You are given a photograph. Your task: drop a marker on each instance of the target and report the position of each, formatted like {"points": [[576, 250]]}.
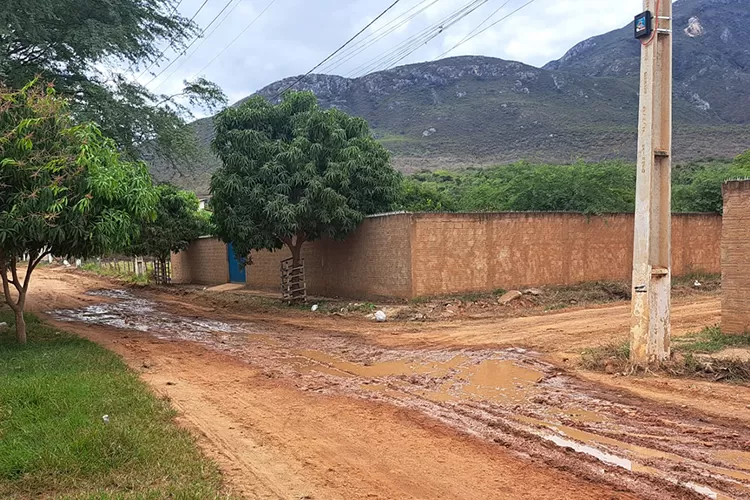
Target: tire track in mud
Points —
{"points": [[510, 397]]}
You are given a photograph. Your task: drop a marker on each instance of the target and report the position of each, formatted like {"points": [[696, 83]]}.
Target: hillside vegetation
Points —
{"points": [[581, 187]]}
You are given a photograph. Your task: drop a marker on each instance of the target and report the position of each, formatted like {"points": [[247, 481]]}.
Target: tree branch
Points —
{"points": [[31, 267], [14, 272], [6, 288]]}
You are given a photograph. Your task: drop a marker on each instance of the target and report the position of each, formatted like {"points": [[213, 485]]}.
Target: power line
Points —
{"points": [[406, 48], [364, 44], [197, 48], [235, 38], [171, 41], [336, 51], [415, 41], [174, 9], [488, 27], [468, 35], [190, 44]]}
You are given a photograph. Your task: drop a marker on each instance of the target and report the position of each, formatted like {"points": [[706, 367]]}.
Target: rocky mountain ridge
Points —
{"points": [[475, 110]]}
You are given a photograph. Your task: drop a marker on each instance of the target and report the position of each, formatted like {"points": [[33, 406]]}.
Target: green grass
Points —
{"points": [[686, 359], [54, 442], [113, 272], [597, 358], [710, 340]]}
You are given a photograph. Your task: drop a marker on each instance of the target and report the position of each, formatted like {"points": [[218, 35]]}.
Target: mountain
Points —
{"points": [[468, 111], [711, 56]]}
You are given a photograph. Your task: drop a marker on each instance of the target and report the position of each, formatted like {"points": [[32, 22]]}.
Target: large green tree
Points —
{"points": [[93, 50], [178, 221], [64, 190], [294, 172]]}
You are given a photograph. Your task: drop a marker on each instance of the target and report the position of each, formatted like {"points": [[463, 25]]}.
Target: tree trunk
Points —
{"points": [[20, 327], [297, 278], [296, 253]]}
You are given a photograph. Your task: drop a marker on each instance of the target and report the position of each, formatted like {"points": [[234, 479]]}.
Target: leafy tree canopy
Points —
{"points": [[63, 189], [82, 47], [178, 222], [294, 172], [419, 196]]}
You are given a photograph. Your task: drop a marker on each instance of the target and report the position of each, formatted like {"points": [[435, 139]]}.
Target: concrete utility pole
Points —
{"points": [[652, 259]]}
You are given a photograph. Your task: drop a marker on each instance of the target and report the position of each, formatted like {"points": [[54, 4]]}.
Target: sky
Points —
{"points": [[290, 37]]}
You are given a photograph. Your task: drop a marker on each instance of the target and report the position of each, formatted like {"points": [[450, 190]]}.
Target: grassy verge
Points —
{"points": [[54, 392], [690, 357], [113, 272], [710, 340]]}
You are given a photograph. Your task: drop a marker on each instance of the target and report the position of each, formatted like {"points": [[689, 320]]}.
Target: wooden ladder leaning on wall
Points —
{"points": [[293, 284]]}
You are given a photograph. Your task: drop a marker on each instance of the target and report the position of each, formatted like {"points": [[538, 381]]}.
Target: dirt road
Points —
{"points": [[305, 407]]}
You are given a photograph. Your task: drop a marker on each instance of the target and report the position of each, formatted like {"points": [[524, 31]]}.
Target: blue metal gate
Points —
{"points": [[236, 267]]}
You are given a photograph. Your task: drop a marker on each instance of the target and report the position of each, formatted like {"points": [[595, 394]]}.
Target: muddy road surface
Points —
{"points": [[307, 407]]}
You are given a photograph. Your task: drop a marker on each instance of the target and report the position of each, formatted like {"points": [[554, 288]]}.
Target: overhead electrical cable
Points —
{"points": [[293, 84], [174, 9], [197, 48], [161, 54], [489, 27], [470, 33], [183, 52], [388, 58], [377, 35], [235, 38]]}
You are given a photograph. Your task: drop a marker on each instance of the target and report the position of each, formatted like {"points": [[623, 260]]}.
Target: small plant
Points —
{"points": [[113, 272], [690, 357], [366, 307], [710, 340], [609, 357]]}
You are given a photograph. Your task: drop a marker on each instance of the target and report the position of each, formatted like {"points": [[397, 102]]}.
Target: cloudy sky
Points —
{"points": [[292, 36]]}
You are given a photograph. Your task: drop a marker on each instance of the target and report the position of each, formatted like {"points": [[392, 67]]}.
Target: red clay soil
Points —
{"points": [[295, 406]]}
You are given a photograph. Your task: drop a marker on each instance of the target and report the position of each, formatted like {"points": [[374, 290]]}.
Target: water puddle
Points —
{"points": [[740, 459], [456, 379], [472, 387], [133, 313]]}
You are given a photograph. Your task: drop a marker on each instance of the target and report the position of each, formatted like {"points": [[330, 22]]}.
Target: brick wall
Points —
{"points": [[375, 261], [735, 258], [205, 262], [455, 253], [411, 255]]}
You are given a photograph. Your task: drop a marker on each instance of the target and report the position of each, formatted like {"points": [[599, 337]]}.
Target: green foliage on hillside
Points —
{"points": [[589, 188]]}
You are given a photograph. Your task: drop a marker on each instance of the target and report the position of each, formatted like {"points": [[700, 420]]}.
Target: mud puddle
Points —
{"points": [[509, 396]]}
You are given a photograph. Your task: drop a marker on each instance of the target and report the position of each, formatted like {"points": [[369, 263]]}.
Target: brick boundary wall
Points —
{"points": [[735, 258], [454, 253], [414, 255], [205, 262]]}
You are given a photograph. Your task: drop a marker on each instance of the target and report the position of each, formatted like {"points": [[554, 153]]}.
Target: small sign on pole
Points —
{"points": [[643, 24]]}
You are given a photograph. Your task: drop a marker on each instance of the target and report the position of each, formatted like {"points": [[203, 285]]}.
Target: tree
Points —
{"points": [[178, 221], [700, 189], [294, 172], [425, 197], [83, 46], [64, 189]]}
